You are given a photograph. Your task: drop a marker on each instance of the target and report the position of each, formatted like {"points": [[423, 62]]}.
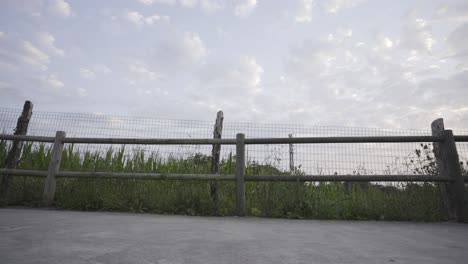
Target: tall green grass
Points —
{"points": [[412, 202]]}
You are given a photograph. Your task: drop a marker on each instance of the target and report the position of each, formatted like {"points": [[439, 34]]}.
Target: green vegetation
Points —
{"points": [[406, 201]]}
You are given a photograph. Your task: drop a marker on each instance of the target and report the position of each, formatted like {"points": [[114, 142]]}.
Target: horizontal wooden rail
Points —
{"points": [[121, 175], [298, 140], [30, 173], [27, 138], [460, 138], [139, 175], [311, 140], [352, 178], [151, 141], [231, 177], [136, 141]]}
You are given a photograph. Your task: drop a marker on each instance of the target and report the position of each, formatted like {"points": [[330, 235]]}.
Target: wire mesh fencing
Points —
{"points": [[184, 158], [419, 202], [299, 159], [333, 159], [462, 149]]}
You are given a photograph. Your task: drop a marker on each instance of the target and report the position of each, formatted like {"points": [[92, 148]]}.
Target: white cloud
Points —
{"points": [[52, 81], [142, 70], [304, 11], [181, 50], [376, 74], [82, 92], [166, 2], [147, 2], [211, 6], [250, 71], [87, 74], [130, 81], [60, 8], [388, 42], [91, 73], [231, 85], [15, 53], [382, 74], [457, 13], [134, 17], [207, 6], [449, 92], [155, 18], [188, 3], [177, 54], [47, 40], [416, 34], [101, 68], [334, 6], [245, 7], [458, 41], [193, 46], [34, 56], [139, 19], [150, 2], [239, 78]]}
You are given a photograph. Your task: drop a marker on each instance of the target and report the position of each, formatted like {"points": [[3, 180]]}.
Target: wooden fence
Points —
{"points": [[443, 140]]}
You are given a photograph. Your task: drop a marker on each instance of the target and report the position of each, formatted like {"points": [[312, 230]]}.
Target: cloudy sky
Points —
{"points": [[389, 64]]}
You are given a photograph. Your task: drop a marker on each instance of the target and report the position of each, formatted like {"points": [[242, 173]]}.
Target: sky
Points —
{"points": [[366, 63]]}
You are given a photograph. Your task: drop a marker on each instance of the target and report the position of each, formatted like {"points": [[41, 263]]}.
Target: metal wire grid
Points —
{"points": [[462, 149], [329, 159], [96, 125], [326, 159]]}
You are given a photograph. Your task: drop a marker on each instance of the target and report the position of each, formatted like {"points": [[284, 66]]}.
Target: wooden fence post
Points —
{"points": [[14, 154], [437, 127], [215, 156], [454, 172], [448, 165], [240, 173], [54, 166]]}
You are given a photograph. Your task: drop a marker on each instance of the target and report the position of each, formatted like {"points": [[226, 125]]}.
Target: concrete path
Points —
{"points": [[47, 236]]}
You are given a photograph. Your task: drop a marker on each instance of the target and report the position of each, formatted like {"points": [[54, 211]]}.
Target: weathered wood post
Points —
{"points": [[454, 172], [240, 174], [437, 128], [448, 165], [215, 156], [54, 166], [14, 154]]}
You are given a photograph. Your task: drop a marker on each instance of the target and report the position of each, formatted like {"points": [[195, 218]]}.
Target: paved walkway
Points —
{"points": [[47, 236]]}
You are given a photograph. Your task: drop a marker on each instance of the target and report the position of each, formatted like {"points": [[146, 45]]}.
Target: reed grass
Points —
{"points": [[359, 201]]}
